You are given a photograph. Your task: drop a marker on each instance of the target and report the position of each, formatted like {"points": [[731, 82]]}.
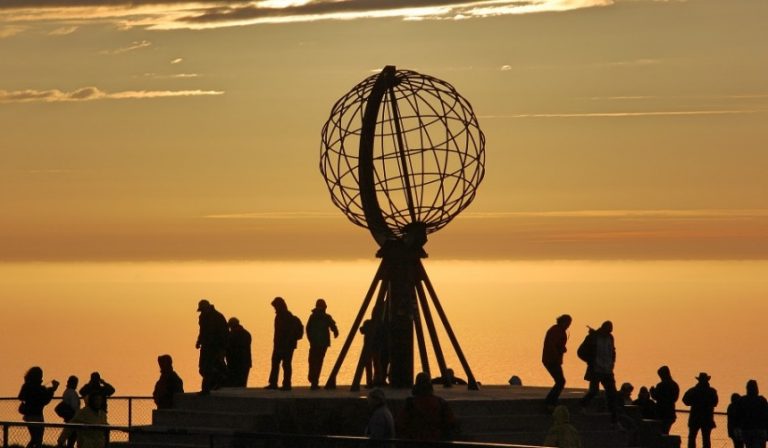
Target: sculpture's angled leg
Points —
{"points": [[471, 382], [331, 383]]}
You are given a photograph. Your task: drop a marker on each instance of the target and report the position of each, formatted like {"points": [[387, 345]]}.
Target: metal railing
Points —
{"points": [[719, 434], [128, 412], [244, 439], [124, 411]]}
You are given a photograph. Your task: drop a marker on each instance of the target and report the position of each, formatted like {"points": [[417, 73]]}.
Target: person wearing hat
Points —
{"points": [[238, 354], [288, 330], [319, 328], [702, 398], [212, 343]]}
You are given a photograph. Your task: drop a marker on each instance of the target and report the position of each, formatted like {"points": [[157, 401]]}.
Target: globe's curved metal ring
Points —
{"points": [[402, 148]]}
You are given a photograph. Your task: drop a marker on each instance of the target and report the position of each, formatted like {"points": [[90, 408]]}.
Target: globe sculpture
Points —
{"points": [[402, 155]]}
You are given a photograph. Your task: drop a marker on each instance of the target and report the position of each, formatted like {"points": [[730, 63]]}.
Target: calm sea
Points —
{"points": [[74, 318]]}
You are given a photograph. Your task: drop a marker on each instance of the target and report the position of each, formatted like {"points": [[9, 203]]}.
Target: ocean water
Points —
{"points": [[75, 318]]}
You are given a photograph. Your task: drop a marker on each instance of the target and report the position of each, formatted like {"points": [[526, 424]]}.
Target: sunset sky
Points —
{"points": [[171, 130]]}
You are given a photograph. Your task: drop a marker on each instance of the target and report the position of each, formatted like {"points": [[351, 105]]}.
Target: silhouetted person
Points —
{"points": [[666, 394], [753, 416], [97, 385], [72, 400], [284, 343], [602, 358], [734, 421], [562, 434], [625, 394], [424, 415], [381, 425], [34, 397], [374, 346], [645, 404], [92, 414], [238, 354], [212, 342], [702, 399], [319, 328], [449, 379], [168, 384], [552, 357]]}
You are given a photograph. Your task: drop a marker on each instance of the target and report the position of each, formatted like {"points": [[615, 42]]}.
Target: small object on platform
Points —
{"points": [[515, 381]]}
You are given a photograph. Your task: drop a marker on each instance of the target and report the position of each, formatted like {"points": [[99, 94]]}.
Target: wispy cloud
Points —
{"points": [[674, 214], [274, 215], [664, 113], [11, 30], [631, 63], [49, 171], [63, 31], [177, 61], [136, 45], [93, 93], [173, 14], [172, 75], [739, 96]]}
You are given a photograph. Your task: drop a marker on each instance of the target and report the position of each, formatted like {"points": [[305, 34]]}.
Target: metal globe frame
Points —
{"points": [[402, 155]]}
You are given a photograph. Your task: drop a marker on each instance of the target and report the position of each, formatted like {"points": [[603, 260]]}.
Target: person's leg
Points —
{"points": [[706, 440], [320, 359], [693, 431], [666, 425], [314, 365], [35, 433], [594, 385], [556, 371], [275, 370], [609, 385], [287, 368]]}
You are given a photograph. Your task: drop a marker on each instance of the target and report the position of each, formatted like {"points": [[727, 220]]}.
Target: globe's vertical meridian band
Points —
{"points": [[373, 214]]}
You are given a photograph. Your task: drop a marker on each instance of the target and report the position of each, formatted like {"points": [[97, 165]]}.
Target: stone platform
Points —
{"points": [[501, 414]]}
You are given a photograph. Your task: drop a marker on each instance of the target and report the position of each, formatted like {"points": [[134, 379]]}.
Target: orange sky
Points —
{"points": [[168, 130]]}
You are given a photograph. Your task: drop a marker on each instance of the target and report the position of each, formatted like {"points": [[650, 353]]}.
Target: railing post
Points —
{"points": [[130, 412]]}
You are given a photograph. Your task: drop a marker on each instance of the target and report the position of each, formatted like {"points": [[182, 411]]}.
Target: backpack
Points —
{"points": [[297, 328], [64, 410], [586, 351]]}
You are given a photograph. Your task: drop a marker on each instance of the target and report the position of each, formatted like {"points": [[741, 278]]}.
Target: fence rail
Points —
{"points": [[124, 411], [128, 412], [246, 439]]}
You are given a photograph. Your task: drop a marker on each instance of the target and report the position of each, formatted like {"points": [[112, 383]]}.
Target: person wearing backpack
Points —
{"points": [[319, 327], [599, 352], [288, 330]]}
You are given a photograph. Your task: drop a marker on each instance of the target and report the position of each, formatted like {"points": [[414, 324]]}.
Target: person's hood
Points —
{"points": [[561, 415]]}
